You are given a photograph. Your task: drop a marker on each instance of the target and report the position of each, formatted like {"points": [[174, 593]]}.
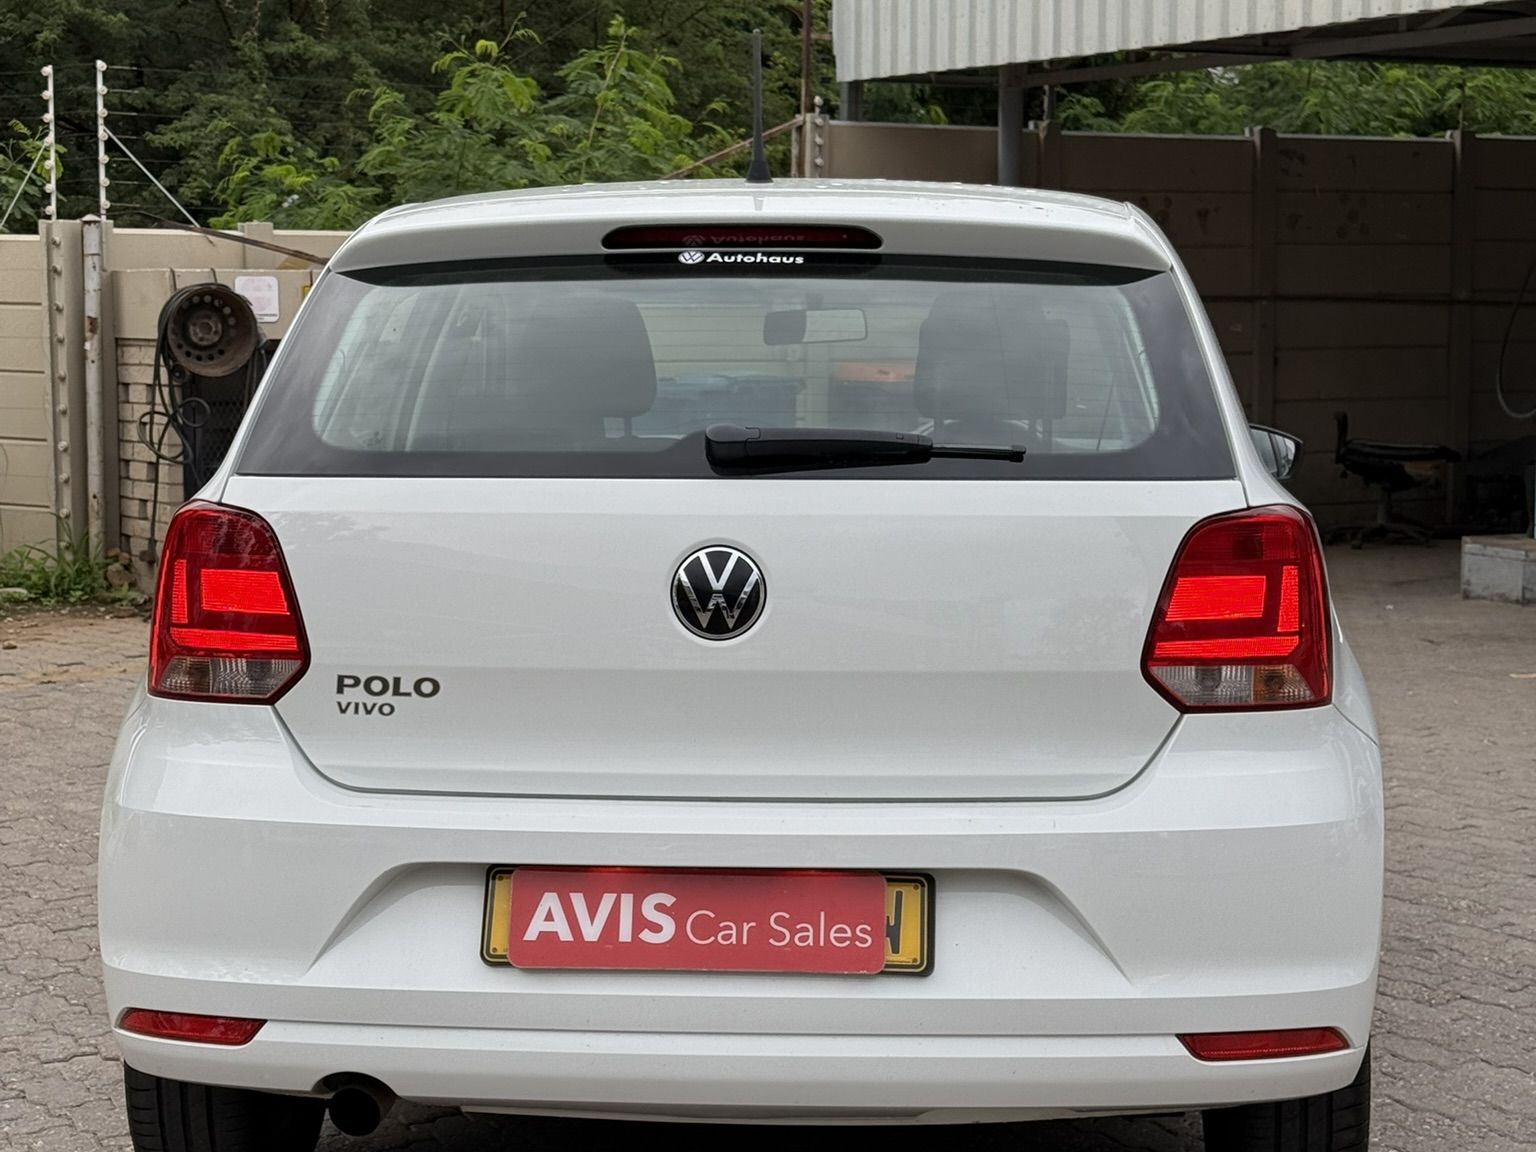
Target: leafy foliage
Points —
{"points": [[482, 133], [22, 174], [273, 179], [1324, 97], [229, 102], [490, 126], [319, 112], [618, 114]]}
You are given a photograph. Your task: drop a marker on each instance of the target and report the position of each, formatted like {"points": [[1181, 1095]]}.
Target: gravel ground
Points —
{"points": [[1455, 689]]}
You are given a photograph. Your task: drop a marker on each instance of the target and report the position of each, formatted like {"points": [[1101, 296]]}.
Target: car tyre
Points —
{"points": [[173, 1116], [1337, 1121]]}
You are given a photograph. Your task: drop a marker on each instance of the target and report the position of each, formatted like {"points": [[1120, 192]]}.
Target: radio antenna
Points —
{"points": [[757, 171]]}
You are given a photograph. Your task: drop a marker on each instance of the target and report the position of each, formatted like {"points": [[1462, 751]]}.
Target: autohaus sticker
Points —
{"points": [[694, 256]]}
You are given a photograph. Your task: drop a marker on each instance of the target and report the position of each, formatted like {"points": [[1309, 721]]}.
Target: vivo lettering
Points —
{"points": [[364, 708]]}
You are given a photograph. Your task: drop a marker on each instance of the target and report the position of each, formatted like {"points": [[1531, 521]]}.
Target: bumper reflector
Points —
{"points": [[1273, 1045], [226, 1030]]}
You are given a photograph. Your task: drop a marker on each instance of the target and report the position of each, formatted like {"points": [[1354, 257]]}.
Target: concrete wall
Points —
{"points": [[42, 392], [1373, 276], [26, 431], [42, 367]]}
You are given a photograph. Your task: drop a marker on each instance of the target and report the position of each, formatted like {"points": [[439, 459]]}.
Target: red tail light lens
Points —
{"points": [[229, 1031], [226, 624], [1274, 1045], [1243, 618]]}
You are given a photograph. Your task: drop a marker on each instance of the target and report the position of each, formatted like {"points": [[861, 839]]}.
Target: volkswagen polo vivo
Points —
{"points": [[796, 653]]}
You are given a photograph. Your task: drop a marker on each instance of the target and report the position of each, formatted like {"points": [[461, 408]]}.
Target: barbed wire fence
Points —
{"points": [[50, 147], [102, 183], [47, 156], [46, 166]]}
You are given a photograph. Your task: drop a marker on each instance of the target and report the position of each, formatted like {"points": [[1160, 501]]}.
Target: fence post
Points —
{"points": [[95, 426], [1459, 343], [102, 203], [1264, 272], [63, 343], [50, 148], [816, 134]]}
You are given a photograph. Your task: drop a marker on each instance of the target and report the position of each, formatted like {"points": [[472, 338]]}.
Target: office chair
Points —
{"points": [[1389, 468]]}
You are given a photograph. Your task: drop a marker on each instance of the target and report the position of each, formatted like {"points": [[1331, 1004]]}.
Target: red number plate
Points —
{"points": [[697, 921]]}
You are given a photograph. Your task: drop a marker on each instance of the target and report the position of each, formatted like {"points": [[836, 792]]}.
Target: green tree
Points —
{"points": [[238, 105], [490, 127], [617, 117], [1323, 97], [486, 130], [269, 178], [22, 177], [188, 77]]}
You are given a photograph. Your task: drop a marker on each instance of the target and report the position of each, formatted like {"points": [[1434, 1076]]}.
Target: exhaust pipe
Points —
{"points": [[359, 1107]]}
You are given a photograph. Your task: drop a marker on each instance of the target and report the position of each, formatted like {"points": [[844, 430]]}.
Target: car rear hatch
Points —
{"points": [[518, 636], [485, 478]]}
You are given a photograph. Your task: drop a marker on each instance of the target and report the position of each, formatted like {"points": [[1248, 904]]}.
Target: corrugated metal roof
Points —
{"points": [[875, 38]]}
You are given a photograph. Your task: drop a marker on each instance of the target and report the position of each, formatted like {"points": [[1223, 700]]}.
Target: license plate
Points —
{"points": [[846, 923]]}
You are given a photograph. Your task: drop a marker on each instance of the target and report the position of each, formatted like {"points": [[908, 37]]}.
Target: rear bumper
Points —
{"points": [[763, 1078], [1225, 889]]}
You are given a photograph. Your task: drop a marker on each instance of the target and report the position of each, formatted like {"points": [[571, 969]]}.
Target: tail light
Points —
{"points": [[226, 624], [741, 236], [1274, 1045], [228, 1031], [1243, 618]]}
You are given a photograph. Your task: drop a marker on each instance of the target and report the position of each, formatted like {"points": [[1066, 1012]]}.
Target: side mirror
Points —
{"points": [[1279, 451]]}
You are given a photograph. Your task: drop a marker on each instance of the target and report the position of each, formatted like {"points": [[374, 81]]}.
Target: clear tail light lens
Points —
{"points": [[1243, 618], [226, 624]]}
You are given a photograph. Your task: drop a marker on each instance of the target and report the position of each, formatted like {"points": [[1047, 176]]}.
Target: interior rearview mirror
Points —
{"points": [[1280, 451], [814, 326]]}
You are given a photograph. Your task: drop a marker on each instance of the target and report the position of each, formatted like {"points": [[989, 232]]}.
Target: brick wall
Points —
{"points": [[137, 466]]}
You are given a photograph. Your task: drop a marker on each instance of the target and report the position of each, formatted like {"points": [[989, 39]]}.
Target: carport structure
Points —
{"points": [[1047, 43], [1371, 276]]}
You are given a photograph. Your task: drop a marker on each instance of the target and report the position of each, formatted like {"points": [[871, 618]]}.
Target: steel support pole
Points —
{"points": [[850, 100], [1010, 127]]}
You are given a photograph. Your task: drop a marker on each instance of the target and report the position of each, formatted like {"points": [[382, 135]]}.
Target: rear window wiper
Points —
{"points": [[728, 446]]}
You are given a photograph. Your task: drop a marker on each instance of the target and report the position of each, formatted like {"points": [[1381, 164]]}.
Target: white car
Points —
{"points": [[808, 652]]}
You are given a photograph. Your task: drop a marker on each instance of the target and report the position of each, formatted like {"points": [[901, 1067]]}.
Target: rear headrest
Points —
{"points": [[977, 357], [584, 357]]}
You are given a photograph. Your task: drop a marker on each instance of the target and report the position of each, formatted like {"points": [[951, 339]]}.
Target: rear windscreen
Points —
{"points": [[614, 366]]}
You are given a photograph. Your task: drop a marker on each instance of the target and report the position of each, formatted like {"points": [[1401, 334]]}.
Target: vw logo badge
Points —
{"points": [[718, 592], [692, 256]]}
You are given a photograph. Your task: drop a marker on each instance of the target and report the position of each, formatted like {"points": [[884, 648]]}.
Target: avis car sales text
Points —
{"points": [[615, 913]]}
